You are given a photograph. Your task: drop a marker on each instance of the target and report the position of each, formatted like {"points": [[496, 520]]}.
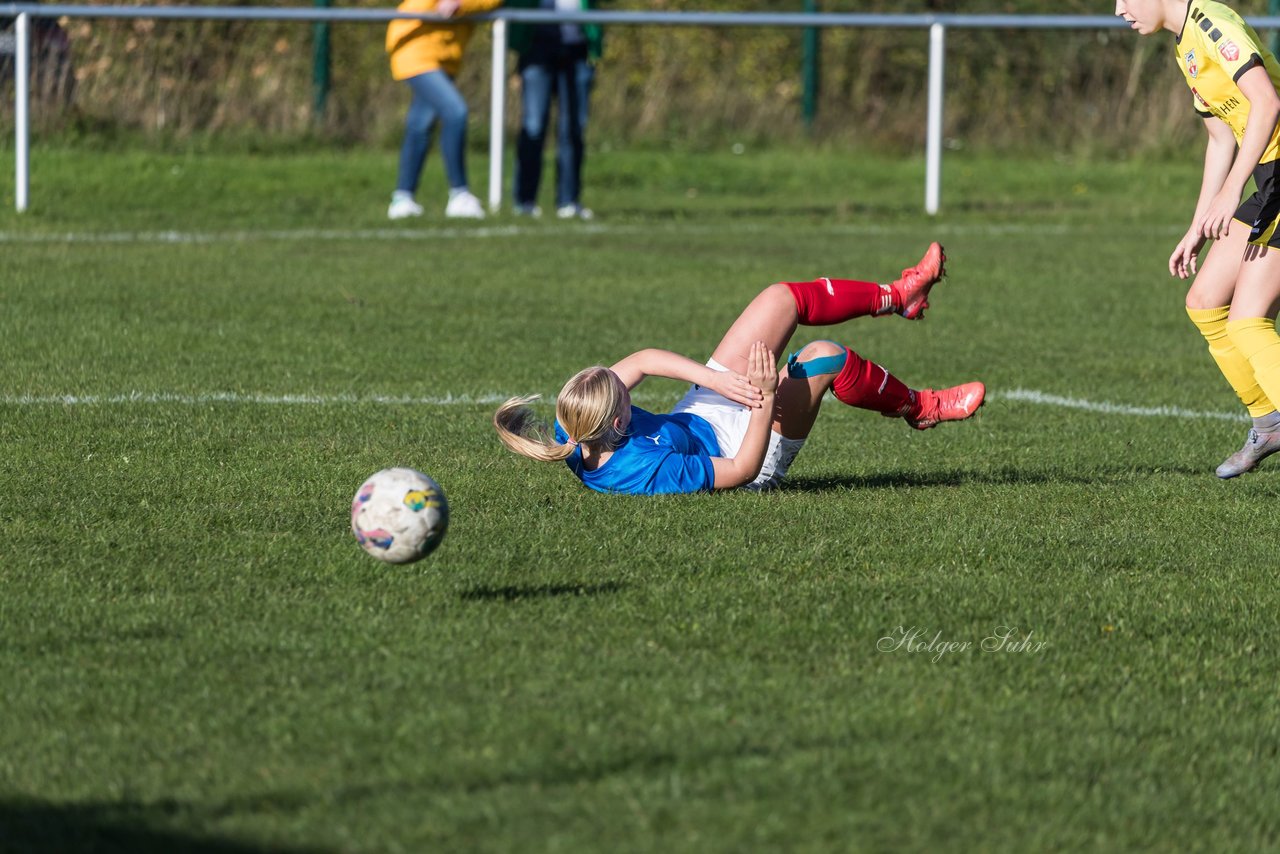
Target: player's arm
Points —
{"points": [[1219, 155], [663, 363], [744, 467], [1264, 110]]}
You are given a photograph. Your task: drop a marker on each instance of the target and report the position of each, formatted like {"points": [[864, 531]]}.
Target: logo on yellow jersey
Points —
{"points": [[1229, 51], [1192, 68]]}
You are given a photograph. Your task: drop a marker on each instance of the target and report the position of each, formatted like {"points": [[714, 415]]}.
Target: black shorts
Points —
{"points": [[1261, 211]]}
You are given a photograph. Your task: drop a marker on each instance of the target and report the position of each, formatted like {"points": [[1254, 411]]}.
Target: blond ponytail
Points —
{"points": [[523, 432], [587, 407]]}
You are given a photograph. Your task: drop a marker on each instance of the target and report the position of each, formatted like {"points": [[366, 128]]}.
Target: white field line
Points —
{"points": [[492, 232], [1040, 398], [301, 234], [1017, 395], [249, 398]]}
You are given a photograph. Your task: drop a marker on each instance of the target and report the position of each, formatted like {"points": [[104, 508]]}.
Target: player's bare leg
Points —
{"points": [[1215, 283], [1257, 287], [771, 317], [800, 397]]}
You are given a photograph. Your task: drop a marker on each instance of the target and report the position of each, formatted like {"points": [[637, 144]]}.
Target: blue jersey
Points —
{"points": [[663, 454]]}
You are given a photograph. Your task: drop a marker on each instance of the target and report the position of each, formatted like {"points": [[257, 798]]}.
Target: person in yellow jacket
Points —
{"points": [[427, 56]]}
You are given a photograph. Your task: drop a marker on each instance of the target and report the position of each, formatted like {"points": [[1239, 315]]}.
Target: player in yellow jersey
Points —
{"points": [[1234, 297]]}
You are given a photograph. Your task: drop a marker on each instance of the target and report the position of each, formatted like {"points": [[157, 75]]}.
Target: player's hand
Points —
{"points": [[762, 368], [1182, 263], [447, 8], [1215, 222], [737, 388]]}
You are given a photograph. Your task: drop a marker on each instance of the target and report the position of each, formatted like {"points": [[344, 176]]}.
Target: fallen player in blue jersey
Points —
{"points": [[740, 424]]}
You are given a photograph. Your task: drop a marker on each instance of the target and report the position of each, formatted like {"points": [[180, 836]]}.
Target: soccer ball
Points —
{"points": [[399, 515]]}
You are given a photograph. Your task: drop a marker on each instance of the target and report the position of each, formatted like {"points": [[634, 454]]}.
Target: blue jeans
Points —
{"points": [[570, 79], [434, 97]]}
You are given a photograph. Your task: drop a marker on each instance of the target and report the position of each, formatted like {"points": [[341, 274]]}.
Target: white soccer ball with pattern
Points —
{"points": [[399, 515]]}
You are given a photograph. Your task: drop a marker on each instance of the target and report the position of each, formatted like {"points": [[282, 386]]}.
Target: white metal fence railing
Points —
{"points": [[937, 26]]}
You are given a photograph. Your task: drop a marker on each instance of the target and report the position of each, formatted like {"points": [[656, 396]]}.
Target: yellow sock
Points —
{"points": [[1235, 366], [1256, 339]]}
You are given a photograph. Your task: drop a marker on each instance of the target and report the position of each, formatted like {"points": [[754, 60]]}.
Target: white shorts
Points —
{"points": [[729, 421]]}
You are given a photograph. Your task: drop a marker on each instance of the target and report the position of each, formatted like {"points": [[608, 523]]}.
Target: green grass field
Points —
{"points": [[205, 355]]}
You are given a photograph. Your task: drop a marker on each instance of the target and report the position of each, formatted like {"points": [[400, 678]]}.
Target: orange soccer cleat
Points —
{"points": [[912, 288], [949, 404]]}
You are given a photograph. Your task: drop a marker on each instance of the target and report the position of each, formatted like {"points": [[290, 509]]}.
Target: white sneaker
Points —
{"points": [[464, 205], [574, 212], [527, 210], [403, 206]]}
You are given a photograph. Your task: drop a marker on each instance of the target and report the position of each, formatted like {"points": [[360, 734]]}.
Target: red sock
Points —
{"points": [[823, 302], [866, 385]]}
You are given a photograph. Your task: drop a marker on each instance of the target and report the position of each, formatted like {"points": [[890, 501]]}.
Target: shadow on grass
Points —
{"points": [[962, 477], [29, 825], [552, 772], [652, 763], [131, 828], [946, 477], [518, 592]]}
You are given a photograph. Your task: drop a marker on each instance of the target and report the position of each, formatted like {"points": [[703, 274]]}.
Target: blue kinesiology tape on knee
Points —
{"points": [[816, 367]]}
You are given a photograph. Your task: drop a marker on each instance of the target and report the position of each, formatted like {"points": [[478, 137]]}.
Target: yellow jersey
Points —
{"points": [[1215, 48]]}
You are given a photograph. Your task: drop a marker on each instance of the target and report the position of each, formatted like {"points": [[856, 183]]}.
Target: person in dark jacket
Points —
{"points": [[555, 60]]}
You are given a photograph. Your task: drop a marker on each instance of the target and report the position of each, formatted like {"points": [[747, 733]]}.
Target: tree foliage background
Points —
{"points": [[1066, 90]]}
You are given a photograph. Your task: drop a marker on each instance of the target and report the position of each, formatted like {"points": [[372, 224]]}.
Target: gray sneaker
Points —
{"points": [[1256, 448]]}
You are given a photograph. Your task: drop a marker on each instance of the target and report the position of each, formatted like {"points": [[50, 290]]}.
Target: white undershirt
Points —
{"points": [[570, 33]]}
